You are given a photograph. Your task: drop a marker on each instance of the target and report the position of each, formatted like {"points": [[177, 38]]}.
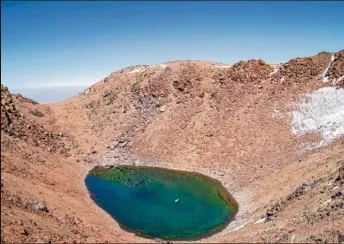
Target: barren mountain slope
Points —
{"points": [[272, 134], [43, 197]]}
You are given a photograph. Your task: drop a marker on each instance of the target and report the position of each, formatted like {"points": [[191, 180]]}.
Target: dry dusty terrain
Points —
{"points": [[272, 134]]}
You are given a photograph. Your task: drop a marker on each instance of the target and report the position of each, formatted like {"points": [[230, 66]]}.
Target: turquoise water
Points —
{"points": [[160, 203]]}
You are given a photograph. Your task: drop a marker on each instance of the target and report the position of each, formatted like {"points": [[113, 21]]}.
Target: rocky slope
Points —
{"points": [[272, 134], [43, 198]]}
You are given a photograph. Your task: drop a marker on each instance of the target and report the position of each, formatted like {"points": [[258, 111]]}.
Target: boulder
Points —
{"points": [[43, 239], [340, 237], [163, 108], [37, 207], [284, 239], [123, 144], [340, 173], [136, 163], [122, 139], [113, 145]]}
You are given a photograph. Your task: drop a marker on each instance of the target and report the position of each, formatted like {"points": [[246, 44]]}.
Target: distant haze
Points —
{"points": [[76, 43], [50, 94]]}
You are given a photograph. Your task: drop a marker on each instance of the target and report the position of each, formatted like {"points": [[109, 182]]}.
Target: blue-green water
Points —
{"points": [[161, 203]]}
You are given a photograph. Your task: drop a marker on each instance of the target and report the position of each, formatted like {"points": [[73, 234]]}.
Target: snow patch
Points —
{"points": [[144, 69], [136, 70], [322, 112], [223, 66], [292, 239], [328, 201], [241, 226], [332, 58], [276, 69], [338, 80], [260, 220], [334, 188], [157, 65], [325, 78]]}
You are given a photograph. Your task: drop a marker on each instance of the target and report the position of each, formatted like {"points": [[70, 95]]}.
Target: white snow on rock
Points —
{"points": [[328, 201], [276, 69], [144, 69], [158, 65], [223, 66], [136, 70], [260, 220], [241, 226], [338, 80], [325, 78], [322, 112]]}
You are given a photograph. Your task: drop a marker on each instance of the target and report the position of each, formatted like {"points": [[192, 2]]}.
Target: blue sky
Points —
{"points": [[50, 44]]}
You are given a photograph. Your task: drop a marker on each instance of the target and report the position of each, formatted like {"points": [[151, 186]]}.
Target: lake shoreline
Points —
{"points": [[222, 193]]}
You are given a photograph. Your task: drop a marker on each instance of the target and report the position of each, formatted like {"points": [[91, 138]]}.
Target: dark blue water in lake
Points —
{"points": [[160, 203]]}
